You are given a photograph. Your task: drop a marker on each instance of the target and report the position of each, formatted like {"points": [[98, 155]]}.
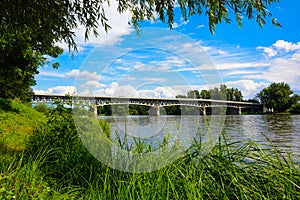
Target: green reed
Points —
{"points": [[56, 165]]}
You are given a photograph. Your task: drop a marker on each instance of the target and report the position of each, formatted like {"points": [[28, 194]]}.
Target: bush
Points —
{"points": [[295, 109], [41, 108], [69, 161]]}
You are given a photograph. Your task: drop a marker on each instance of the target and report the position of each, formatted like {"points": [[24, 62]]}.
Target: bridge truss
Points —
{"points": [[154, 103]]}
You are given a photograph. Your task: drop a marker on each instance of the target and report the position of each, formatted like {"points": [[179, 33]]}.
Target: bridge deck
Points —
{"points": [[106, 100]]}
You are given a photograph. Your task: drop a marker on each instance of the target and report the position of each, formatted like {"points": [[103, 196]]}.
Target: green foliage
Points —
{"points": [[295, 108], [123, 110], [205, 94], [23, 179], [141, 110], [216, 11], [276, 96], [68, 159], [41, 108], [181, 96], [57, 166], [17, 121], [222, 93], [106, 110], [173, 110], [193, 94], [30, 30]]}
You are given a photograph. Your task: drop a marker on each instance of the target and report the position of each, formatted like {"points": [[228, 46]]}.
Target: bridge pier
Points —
{"points": [[204, 111], [154, 111], [95, 110]]}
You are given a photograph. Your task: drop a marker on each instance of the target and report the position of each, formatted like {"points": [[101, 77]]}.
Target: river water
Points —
{"points": [[282, 130]]}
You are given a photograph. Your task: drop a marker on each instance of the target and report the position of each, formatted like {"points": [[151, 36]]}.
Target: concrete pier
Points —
{"points": [[154, 111]]}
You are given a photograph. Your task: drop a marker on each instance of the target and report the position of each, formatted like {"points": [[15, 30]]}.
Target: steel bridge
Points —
{"points": [[154, 103]]}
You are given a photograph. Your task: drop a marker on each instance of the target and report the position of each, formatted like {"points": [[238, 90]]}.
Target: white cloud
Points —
{"points": [[144, 67], [282, 70], [224, 66], [284, 64], [94, 84], [241, 72], [176, 25], [82, 75], [154, 79], [73, 74], [200, 26], [287, 46], [57, 90], [278, 47], [116, 90], [128, 77], [51, 74], [270, 52], [119, 27], [249, 88]]}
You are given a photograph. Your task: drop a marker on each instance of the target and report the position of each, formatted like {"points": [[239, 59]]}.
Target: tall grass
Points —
{"points": [[56, 165], [17, 121]]}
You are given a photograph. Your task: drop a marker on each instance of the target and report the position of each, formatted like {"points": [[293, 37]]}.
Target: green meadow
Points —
{"points": [[42, 157]]}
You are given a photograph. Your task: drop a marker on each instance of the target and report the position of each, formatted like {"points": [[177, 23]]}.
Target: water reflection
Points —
{"points": [[282, 130]]}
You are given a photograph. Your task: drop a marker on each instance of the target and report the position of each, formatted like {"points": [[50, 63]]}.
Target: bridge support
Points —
{"points": [[264, 109], [95, 110], [204, 111], [154, 111]]}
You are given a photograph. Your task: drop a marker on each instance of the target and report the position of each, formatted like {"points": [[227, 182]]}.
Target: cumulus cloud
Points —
{"points": [[82, 75], [268, 51], [118, 22], [286, 46], [94, 84], [117, 90], [283, 69], [57, 90], [280, 46], [284, 59], [249, 88]]}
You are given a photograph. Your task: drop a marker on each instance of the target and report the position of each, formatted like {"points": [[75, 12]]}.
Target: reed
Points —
{"points": [[56, 165]]}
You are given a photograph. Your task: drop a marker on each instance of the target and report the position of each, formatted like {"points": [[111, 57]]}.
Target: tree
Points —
{"points": [[276, 96], [193, 94], [30, 30], [237, 95], [205, 94], [180, 96], [295, 104], [253, 100]]}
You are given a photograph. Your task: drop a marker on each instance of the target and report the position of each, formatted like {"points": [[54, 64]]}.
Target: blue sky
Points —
{"points": [[164, 63]]}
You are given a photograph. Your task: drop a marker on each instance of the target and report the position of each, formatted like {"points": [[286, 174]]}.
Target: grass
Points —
{"points": [[17, 121], [54, 164]]}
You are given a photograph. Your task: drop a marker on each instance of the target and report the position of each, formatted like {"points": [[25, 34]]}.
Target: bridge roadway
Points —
{"points": [[154, 103]]}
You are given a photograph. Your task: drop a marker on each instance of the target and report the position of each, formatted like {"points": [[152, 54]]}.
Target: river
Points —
{"points": [[282, 130]]}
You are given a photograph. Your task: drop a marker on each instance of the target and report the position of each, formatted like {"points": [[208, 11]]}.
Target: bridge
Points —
{"points": [[154, 103]]}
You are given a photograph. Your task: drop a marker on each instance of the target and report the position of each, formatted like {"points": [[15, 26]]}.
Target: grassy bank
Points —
{"points": [[17, 122], [52, 163]]}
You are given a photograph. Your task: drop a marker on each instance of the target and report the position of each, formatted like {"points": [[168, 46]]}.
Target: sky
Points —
{"points": [[160, 62]]}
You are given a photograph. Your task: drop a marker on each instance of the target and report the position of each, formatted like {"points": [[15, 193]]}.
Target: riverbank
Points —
{"points": [[48, 161]]}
